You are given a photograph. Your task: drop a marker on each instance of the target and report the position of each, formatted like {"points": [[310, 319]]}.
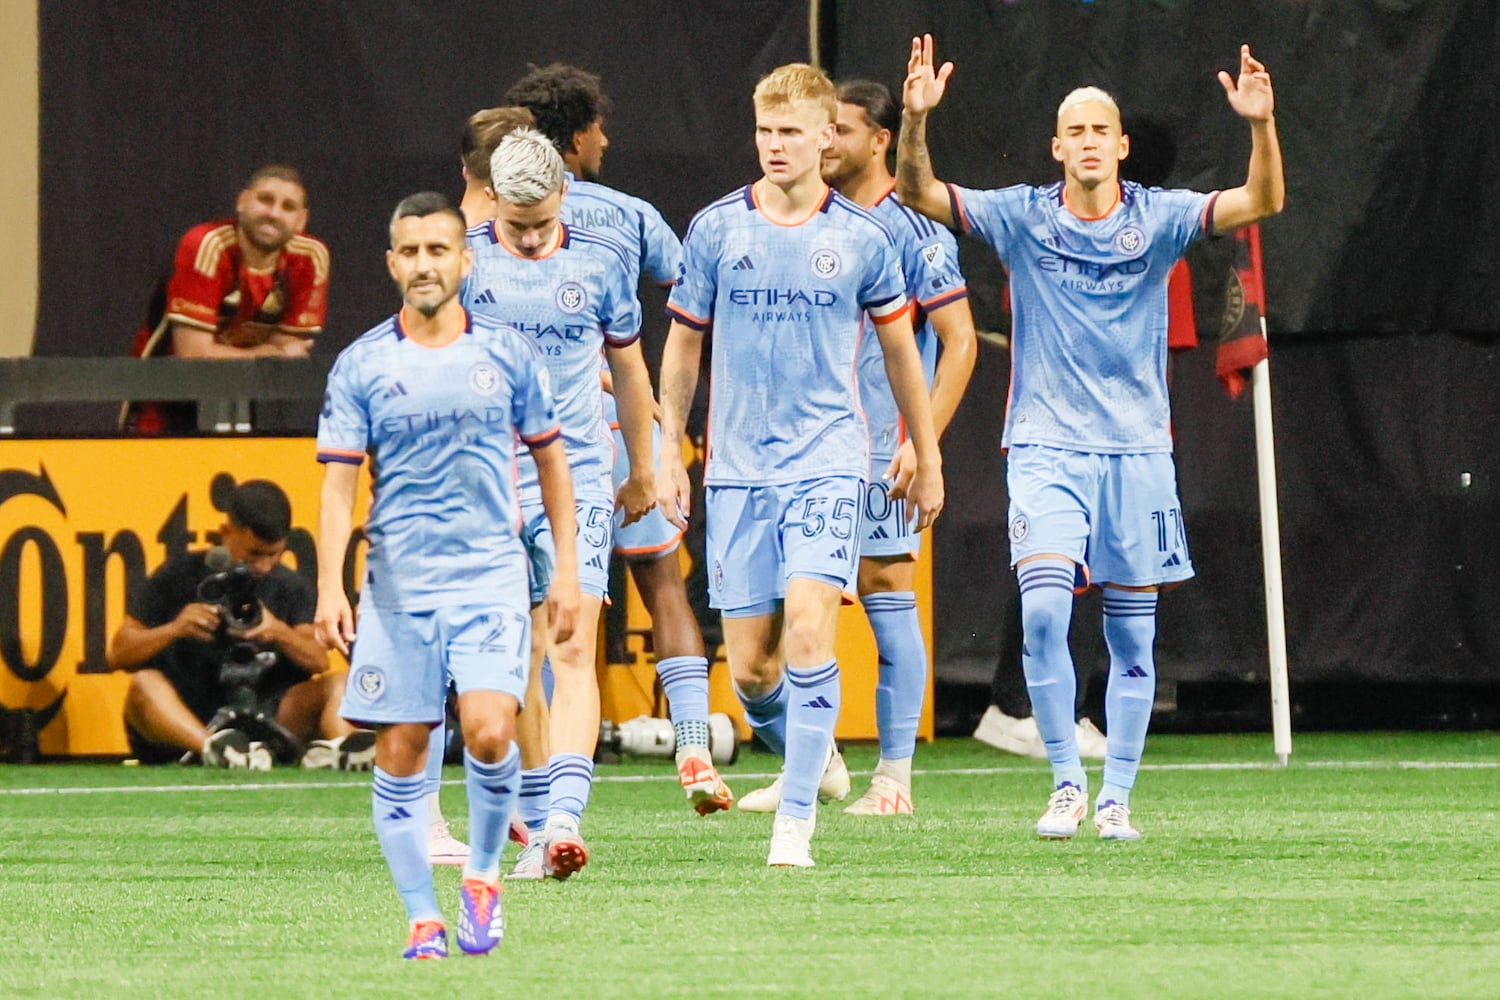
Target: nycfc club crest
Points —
{"points": [[1129, 241], [370, 683], [570, 297], [484, 379], [826, 263], [1018, 528]]}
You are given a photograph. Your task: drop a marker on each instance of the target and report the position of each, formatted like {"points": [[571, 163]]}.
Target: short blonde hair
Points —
{"points": [[1087, 95], [526, 167], [786, 85]]}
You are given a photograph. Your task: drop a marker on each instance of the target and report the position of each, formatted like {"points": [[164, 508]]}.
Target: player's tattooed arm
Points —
{"points": [[916, 185]]}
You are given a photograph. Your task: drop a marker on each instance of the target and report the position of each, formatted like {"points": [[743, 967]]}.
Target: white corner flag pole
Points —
{"points": [[1270, 549]]}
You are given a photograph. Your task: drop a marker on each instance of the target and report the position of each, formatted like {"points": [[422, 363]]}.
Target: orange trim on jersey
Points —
{"points": [[342, 455], [651, 550], [1091, 218], [697, 322], [935, 303], [822, 201], [401, 324], [561, 235], [956, 205]]}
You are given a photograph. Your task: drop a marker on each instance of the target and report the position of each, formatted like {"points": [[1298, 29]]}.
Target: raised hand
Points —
{"points": [[925, 82], [1250, 96]]}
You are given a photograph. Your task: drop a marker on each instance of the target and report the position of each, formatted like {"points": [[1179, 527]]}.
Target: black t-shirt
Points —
{"points": [[193, 666]]}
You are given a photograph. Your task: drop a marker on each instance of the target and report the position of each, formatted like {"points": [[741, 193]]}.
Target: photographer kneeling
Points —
{"points": [[222, 654]]}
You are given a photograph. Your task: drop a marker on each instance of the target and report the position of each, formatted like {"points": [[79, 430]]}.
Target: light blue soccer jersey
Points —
{"points": [[929, 258], [787, 306], [571, 303], [440, 426], [1088, 309], [631, 222]]}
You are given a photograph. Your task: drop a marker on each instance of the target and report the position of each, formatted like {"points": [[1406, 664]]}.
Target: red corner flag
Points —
{"points": [[1241, 343]]}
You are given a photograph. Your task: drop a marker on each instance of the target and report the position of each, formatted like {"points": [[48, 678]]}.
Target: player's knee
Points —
{"points": [[488, 739], [1045, 617]]}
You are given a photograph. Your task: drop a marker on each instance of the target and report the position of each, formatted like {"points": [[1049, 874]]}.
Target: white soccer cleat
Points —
{"points": [[226, 748], [791, 843], [762, 800], [1005, 732], [443, 848], [531, 864], [355, 752], [1091, 743], [566, 851], [885, 797], [832, 787], [1112, 821], [259, 758], [1065, 810]]}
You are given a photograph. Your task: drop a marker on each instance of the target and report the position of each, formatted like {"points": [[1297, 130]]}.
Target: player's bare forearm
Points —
{"points": [[925, 84], [1251, 97], [903, 367], [556, 482], [954, 325], [632, 386], [297, 644], [334, 619], [679, 380], [916, 185], [134, 645]]}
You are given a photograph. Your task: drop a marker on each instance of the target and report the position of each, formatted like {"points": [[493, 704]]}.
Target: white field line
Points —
{"points": [[636, 779]]}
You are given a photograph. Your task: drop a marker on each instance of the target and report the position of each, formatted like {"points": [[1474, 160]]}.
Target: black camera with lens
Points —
{"points": [[231, 588]]}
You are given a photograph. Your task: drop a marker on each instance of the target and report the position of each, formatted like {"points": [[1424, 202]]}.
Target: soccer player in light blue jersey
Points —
{"points": [[570, 106], [1093, 491], [789, 275], [857, 165], [437, 399], [573, 293]]}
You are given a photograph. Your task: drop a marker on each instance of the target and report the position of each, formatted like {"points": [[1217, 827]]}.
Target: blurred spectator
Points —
{"points": [[250, 286]]}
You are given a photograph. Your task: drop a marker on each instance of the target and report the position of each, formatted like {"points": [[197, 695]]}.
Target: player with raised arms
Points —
{"points": [[1089, 471], [437, 399], [573, 293], [786, 271]]}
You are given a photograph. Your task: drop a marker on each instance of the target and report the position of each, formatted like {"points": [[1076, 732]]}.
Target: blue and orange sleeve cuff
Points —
{"points": [[947, 298], [342, 456], [543, 439], [688, 319]]}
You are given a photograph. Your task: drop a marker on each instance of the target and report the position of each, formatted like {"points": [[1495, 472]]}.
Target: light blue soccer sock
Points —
{"points": [[1046, 611], [399, 807], [812, 710], [684, 679], [902, 682], [493, 790], [767, 715], [437, 743], [536, 796], [1129, 631], [571, 776]]}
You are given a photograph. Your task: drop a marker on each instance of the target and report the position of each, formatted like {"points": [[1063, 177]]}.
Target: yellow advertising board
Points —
{"points": [[82, 522]]}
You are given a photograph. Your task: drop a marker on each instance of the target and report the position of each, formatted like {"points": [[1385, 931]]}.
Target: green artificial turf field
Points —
{"points": [[1368, 868]]}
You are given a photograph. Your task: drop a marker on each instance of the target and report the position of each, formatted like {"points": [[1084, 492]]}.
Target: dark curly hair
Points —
{"points": [[565, 100]]}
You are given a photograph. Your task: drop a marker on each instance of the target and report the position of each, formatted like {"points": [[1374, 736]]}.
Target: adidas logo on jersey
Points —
{"points": [[840, 553], [743, 264], [879, 532], [487, 297], [1174, 560], [818, 702], [395, 389], [597, 562]]}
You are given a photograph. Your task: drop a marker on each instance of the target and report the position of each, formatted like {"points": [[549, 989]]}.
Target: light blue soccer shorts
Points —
{"points": [[1118, 516], [759, 537], [595, 512], [653, 536], [886, 531], [402, 662]]}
